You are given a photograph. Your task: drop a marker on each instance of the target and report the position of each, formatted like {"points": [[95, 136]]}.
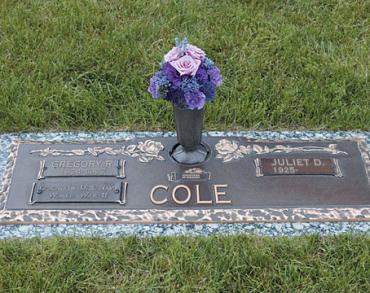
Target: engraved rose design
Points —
{"points": [[230, 150], [225, 146], [150, 147], [144, 151]]}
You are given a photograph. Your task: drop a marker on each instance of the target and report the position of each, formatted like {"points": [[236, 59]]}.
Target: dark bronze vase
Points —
{"points": [[189, 125]]}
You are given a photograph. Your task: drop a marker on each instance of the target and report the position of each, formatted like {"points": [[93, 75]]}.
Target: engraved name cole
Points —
{"points": [[182, 194], [161, 194]]}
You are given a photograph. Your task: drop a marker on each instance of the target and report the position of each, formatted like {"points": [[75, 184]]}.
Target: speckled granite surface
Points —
{"points": [[112, 230]]}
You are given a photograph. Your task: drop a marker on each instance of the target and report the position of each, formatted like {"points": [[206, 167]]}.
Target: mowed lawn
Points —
{"points": [[187, 264], [86, 64]]}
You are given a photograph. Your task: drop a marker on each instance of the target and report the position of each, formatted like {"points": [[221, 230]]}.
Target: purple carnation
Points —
{"points": [[153, 88], [209, 90], [195, 99], [177, 97], [215, 76], [158, 85], [172, 75], [202, 75]]}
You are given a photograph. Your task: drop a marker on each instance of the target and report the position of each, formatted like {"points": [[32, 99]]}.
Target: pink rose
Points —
{"points": [[173, 54], [195, 52], [186, 65]]}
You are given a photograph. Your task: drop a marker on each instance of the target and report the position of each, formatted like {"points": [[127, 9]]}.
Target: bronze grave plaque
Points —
{"points": [[141, 175]]}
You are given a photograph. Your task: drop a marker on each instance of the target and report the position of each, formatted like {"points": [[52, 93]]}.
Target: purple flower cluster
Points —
{"points": [[186, 77]]}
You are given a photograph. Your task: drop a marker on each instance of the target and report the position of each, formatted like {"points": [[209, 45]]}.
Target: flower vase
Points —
{"points": [[189, 125]]}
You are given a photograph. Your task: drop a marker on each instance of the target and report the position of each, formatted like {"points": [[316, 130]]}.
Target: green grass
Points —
{"points": [[86, 64], [186, 264], [70, 64]]}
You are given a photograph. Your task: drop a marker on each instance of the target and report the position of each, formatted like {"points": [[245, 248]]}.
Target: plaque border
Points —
{"points": [[179, 216]]}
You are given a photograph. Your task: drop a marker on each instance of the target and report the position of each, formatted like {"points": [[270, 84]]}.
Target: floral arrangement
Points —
{"points": [[187, 77]]}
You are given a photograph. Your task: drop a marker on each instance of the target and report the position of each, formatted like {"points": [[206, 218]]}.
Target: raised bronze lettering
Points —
{"points": [[158, 202], [181, 201], [297, 166], [220, 193], [199, 201]]}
